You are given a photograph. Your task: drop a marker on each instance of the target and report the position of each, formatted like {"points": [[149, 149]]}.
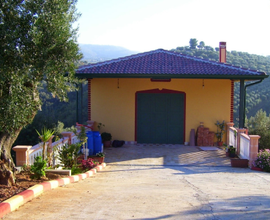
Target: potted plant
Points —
{"points": [[220, 132], [231, 151], [106, 139], [99, 157]]}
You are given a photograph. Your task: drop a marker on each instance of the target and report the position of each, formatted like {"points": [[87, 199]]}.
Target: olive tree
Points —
{"points": [[38, 43]]}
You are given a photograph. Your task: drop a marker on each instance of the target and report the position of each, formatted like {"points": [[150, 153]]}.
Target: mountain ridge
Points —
{"points": [[93, 53]]}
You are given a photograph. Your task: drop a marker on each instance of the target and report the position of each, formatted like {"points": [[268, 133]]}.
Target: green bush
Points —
{"points": [[263, 160], [68, 155], [264, 141], [76, 170], [260, 125], [38, 169]]}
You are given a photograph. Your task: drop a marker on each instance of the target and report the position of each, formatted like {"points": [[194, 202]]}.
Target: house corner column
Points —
{"points": [[253, 149], [229, 124], [89, 99]]}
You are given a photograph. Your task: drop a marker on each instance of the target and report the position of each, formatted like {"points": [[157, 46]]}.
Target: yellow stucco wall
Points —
{"points": [[115, 107]]}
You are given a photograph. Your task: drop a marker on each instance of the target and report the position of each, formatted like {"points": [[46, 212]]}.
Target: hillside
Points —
{"points": [[97, 53]]}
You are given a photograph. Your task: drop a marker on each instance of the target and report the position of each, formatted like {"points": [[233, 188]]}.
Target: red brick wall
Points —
{"points": [[232, 94], [89, 99]]}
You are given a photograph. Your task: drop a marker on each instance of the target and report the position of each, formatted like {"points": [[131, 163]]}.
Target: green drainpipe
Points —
{"points": [[242, 103], [251, 84]]}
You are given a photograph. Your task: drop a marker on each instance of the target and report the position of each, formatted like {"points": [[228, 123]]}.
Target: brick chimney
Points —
{"points": [[222, 52]]}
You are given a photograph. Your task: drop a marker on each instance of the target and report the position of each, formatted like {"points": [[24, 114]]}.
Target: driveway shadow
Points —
{"points": [[149, 154], [186, 159]]}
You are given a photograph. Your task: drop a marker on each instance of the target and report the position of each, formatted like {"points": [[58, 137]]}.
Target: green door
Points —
{"points": [[160, 118]]}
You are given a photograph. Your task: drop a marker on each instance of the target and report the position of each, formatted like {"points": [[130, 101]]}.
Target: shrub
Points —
{"points": [[38, 168], [263, 160], [68, 155], [76, 170], [264, 140], [260, 125], [88, 164]]}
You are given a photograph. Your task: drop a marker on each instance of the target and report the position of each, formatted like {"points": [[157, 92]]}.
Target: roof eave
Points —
{"points": [[171, 76]]}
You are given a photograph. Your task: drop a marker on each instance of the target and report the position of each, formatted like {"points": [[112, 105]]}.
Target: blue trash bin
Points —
{"points": [[90, 142], [98, 147]]}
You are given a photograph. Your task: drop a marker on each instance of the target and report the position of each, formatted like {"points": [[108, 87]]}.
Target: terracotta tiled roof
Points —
{"points": [[161, 63]]}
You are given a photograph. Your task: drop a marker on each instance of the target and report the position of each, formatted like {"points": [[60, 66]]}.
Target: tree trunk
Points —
{"points": [[7, 166]]}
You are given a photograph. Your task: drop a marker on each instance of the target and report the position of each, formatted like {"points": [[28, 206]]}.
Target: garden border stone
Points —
{"points": [[16, 201]]}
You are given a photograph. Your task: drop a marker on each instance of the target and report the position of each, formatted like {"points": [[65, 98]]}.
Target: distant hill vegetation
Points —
{"points": [[97, 53], [258, 96]]}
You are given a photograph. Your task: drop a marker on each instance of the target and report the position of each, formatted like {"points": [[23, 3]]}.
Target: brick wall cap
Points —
{"points": [[254, 136], [22, 147], [67, 132], [246, 136], [241, 129]]}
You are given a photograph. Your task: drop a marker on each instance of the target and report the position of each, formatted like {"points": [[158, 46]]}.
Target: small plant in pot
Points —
{"points": [[220, 132], [106, 139], [99, 157], [231, 151]]}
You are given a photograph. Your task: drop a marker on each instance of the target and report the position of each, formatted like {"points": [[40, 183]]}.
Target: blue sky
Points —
{"points": [[144, 25]]}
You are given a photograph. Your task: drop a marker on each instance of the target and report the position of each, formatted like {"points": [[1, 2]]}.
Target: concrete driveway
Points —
{"points": [[158, 182]]}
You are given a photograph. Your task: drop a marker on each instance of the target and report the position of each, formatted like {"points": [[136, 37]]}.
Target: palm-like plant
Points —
{"points": [[45, 136]]}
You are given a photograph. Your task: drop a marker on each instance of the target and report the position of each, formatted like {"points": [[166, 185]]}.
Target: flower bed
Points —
{"points": [[263, 160]]}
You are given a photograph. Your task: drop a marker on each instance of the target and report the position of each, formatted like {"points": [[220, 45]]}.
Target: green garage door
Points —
{"points": [[160, 118]]}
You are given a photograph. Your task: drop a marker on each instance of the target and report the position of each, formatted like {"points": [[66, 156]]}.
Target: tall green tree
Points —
{"points": [[193, 42], [201, 45], [38, 42]]}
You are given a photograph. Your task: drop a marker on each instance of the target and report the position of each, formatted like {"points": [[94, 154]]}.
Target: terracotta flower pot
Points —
{"points": [[220, 143], [97, 159], [107, 144], [257, 168]]}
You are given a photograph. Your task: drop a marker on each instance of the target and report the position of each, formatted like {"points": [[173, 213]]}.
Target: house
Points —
{"points": [[159, 96]]}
